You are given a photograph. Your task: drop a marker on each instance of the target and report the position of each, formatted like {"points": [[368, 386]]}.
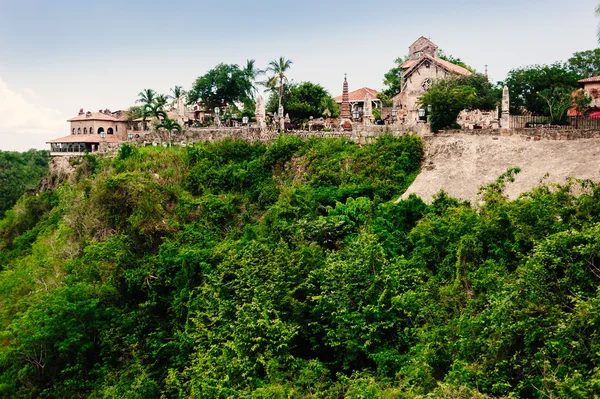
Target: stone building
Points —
{"points": [[88, 130], [422, 68]]}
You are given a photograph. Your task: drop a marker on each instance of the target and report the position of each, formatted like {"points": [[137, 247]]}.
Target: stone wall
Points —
{"points": [[360, 134], [532, 133]]}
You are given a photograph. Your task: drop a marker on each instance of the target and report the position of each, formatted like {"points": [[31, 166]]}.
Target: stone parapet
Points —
{"points": [[532, 133]]}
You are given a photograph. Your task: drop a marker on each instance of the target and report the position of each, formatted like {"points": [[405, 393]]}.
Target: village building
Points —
{"points": [[591, 86], [422, 68], [88, 130], [356, 100]]}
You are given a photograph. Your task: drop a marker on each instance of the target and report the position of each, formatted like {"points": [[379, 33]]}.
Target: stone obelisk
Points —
{"points": [[505, 119], [345, 115], [367, 110]]}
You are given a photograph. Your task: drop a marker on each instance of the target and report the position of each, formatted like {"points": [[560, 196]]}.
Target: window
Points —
{"points": [[73, 131], [91, 130], [85, 130], [79, 130], [109, 131]]}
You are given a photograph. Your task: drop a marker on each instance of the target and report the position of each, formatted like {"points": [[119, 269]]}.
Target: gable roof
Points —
{"points": [[413, 65], [358, 95]]}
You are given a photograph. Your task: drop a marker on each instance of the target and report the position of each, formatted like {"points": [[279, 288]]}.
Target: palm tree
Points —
{"points": [[169, 125], [162, 99], [176, 93], [278, 68], [146, 96], [153, 109], [251, 72]]}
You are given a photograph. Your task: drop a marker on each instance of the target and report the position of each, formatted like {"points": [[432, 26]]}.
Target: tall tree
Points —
{"points": [[168, 125], [392, 79], [146, 96], [252, 73], [279, 68], [225, 84], [525, 84], [177, 92], [585, 64], [305, 100]]}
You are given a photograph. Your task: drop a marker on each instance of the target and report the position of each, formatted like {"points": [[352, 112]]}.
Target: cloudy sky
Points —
{"points": [[62, 55]]}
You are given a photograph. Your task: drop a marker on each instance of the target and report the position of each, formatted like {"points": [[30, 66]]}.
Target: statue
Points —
{"points": [[260, 112]]}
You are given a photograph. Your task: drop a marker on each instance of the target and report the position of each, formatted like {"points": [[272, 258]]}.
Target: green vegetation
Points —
{"points": [[20, 171], [304, 100], [447, 98], [235, 270]]}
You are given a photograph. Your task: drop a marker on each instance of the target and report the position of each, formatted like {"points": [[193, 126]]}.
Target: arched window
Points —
{"points": [[100, 130], [78, 130], [85, 130], [73, 131], [91, 130], [109, 131]]}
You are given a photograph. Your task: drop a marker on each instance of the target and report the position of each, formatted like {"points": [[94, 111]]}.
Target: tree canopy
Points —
{"points": [[448, 97], [225, 84], [303, 100], [526, 83], [20, 171]]}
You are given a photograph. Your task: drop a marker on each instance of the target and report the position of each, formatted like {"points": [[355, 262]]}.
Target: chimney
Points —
{"points": [[81, 111]]}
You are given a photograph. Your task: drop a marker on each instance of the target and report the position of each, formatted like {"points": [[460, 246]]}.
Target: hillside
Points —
{"points": [[461, 164], [285, 270]]}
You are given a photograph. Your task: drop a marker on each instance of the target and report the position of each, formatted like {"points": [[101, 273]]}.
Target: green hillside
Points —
{"points": [[20, 171], [235, 270]]}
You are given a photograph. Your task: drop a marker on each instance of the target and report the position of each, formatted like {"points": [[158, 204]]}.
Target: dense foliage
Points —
{"points": [[20, 171], [232, 270], [447, 98], [223, 85], [303, 100]]}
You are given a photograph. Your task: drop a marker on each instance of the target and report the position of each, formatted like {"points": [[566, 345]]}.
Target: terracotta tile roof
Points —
{"points": [[86, 138], [593, 79], [358, 95], [94, 116], [412, 65]]}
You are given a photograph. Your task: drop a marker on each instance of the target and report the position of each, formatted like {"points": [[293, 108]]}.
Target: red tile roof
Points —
{"points": [[94, 116], [593, 79], [358, 95], [86, 138]]}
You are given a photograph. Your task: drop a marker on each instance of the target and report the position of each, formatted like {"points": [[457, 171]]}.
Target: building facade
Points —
{"points": [[88, 130], [419, 72]]}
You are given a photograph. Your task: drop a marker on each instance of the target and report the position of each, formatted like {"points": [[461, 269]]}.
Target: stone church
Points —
{"points": [[419, 72]]}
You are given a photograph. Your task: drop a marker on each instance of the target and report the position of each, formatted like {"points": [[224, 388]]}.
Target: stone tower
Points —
{"points": [[345, 115]]}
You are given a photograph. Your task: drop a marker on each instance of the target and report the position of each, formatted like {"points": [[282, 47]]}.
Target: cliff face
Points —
{"points": [[461, 164]]}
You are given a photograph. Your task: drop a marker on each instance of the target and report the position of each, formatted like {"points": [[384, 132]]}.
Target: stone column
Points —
{"points": [[345, 115], [505, 119], [367, 110]]}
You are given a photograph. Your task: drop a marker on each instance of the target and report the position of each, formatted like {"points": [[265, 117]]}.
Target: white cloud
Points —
{"points": [[24, 123]]}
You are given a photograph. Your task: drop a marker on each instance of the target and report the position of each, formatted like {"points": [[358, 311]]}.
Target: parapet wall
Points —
{"points": [[360, 134], [532, 133]]}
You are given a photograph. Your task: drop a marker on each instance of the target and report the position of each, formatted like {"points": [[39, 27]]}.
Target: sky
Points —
{"points": [[59, 56]]}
